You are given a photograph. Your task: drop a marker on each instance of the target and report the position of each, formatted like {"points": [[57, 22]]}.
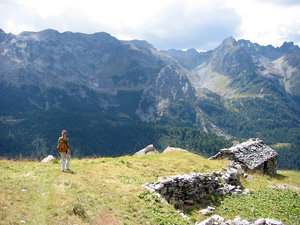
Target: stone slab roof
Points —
{"points": [[251, 153]]}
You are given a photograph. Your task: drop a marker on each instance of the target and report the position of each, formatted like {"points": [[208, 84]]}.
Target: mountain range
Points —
{"points": [[238, 90]]}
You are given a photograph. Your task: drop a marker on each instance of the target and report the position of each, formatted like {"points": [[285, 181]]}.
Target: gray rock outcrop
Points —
{"points": [[253, 155], [149, 150], [172, 149], [284, 186], [218, 220]]}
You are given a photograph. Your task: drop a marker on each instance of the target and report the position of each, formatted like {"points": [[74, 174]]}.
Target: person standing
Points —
{"points": [[66, 152]]}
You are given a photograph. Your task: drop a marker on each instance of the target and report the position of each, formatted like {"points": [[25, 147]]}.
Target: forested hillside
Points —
{"points": [[36, 134]]}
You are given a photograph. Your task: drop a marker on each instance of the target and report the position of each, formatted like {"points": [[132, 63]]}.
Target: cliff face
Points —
{"points": [[98, 69]]}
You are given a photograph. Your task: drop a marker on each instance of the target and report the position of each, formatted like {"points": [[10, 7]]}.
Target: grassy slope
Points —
{"points": [[109, 190]]}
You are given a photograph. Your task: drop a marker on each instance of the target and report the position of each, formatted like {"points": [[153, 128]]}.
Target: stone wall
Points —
{"points": [[268, 167], [181, 190]]}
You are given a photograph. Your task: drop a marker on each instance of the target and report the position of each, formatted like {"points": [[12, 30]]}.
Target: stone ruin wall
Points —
{"points": [[268, 167], [250, 156], [189, 189]]}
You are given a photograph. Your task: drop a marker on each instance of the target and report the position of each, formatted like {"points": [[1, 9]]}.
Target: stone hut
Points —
{"points": [[253, 155]]}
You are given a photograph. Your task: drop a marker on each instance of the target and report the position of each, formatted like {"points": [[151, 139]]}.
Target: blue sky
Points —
{"points": [[167, 24]]}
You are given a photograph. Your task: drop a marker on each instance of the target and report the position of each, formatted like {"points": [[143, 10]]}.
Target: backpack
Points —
{"points": [[62, 147]]}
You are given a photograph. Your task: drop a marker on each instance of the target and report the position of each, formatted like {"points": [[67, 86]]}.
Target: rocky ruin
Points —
{"points": [[187, 190], [218, 220], [150, 149], [182, 190], [252, 155]]}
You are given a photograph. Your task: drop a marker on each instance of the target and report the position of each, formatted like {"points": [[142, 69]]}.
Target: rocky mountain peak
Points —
{"points": [[229, 42], [2, 35], [289, 47], [142, 44], [49, 32], [230, 59], [192, 51], [228, 46], [105, 37], [247, 44]]}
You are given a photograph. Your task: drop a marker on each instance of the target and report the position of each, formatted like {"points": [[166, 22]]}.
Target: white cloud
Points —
{"points": [[200, 28], [267, 23], [164, 23]]}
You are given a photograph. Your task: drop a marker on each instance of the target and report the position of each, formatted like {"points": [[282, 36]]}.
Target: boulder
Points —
{"points": [[231, 176], [209, 221], [172, 149], [218, 219], [260, 222], [215, 219], [149, 150], [273, 222], [206, 212], [49, 158]]}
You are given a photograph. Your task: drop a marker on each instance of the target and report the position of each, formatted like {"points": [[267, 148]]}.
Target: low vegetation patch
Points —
{"points": [[278, 204]]}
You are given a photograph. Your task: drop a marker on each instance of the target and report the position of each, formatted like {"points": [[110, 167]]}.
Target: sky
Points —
{"points": [[167, 24]]}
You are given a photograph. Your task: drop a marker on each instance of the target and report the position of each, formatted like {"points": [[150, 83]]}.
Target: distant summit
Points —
{"points": [[228, 42]]}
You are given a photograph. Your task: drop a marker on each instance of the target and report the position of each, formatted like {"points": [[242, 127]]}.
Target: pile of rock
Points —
{"points": [[218, 220], [188, 189], [252, 155], [149, 150], [232, 173]]}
